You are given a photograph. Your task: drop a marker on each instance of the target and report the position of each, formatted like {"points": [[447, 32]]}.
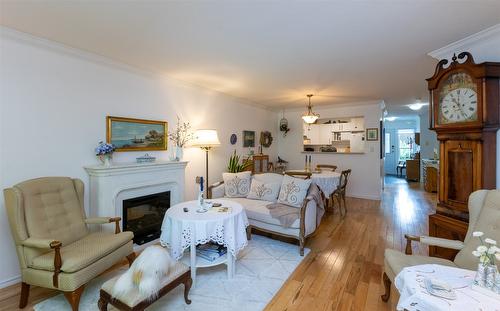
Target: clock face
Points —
{"points": [[459, 105], [458, 100]]}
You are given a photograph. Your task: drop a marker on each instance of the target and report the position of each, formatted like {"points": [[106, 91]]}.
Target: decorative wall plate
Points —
{"points": [[233, 139]]}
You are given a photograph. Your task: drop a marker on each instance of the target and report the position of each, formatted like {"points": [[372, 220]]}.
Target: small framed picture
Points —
{"points": [[372, 134], [248, 139]]}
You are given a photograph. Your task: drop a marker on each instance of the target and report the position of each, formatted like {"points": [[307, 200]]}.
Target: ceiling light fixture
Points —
{"points": [[310, 117], [417, 105], [390, 118]]}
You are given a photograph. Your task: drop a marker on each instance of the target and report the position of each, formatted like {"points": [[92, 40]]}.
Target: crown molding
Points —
{"points": [[57, 47], [466, 43]]}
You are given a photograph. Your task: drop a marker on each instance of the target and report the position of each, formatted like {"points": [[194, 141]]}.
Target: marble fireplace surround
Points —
{"points": [[110, 185]]}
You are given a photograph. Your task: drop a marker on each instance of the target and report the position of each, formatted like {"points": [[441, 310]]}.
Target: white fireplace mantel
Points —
{"points": [[110, 185]]}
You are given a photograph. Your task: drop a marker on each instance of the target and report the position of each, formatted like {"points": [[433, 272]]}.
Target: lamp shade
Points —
{"points": [[206, 138]]}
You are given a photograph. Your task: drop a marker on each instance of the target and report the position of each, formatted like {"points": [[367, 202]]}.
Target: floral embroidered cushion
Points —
{"points": [[293, 191], [237, 185], [263, 191]]}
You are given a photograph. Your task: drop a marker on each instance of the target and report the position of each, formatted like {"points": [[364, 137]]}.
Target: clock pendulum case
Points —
{"points": [[465, 113]]}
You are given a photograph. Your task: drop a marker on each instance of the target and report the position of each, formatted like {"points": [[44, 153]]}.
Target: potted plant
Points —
{"points": [[104, 152], [234, 165], [180, 137]]}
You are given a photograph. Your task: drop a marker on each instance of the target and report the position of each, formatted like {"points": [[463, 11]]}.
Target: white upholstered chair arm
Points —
{"points": [[105, 220], [451, 244], [40, 243]]}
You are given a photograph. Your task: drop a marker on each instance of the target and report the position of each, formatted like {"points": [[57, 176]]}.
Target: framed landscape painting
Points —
{"points": [[135, 134]]}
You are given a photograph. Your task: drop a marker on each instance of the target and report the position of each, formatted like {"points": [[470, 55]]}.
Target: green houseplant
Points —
{"points": [[234, 165]]}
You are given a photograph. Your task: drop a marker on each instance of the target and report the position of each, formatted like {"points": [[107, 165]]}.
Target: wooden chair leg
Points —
{"points": [[345, 206], [249, 233], [102, 304], [187, 287], [302, 242], [74, 297], [25, 293], [387, 284], [131, 258]]}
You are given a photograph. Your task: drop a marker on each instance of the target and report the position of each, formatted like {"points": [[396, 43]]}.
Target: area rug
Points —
{"points": [[261, 269]]}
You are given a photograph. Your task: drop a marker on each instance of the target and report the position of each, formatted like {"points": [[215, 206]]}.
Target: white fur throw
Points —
{"points": [[145, 274]]}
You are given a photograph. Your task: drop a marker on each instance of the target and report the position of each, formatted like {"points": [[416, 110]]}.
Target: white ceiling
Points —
{"points": [[272, 53]]}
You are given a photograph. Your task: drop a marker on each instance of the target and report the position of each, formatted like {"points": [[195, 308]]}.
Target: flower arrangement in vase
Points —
{"points": [[487, 275], [180, 137], [104, 152]]}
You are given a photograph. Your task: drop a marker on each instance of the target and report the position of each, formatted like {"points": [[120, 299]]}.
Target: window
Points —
{"points": [[406, 138], [387, 143]]}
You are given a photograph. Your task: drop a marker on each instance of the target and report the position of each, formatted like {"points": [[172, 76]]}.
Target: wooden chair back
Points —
{"points": [[326, 167], [344, 177], [299, 174]]}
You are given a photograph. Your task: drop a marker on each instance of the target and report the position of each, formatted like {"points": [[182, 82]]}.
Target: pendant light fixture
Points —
{"points": [[310, 117]]}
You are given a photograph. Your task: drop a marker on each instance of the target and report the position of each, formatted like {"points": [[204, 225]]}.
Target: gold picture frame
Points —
{"points": [[128, 134]]}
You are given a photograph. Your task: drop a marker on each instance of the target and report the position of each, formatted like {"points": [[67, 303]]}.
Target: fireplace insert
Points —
{"points": [[144, 216]]}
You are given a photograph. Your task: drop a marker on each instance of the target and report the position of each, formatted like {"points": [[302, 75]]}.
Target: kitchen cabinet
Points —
{"points": [[345, 136], [312, 133], [325, 134], [357, 124]]}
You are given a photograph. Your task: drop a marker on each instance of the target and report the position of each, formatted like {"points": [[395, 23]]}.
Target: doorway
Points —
{"points": [[390, 150]]}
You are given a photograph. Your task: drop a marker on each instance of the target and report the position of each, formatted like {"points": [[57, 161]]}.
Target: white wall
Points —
{"points": [[428, 138], [365, 180], [54, 101]]}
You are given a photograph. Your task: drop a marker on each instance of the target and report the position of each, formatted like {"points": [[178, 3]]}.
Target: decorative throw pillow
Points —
{"points": [[237, 185], [263, 191], [293, 191]]}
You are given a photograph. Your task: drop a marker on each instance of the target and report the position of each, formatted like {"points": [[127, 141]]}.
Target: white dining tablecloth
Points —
{"points": [[179, 229], [327, 181], [414, 296]]}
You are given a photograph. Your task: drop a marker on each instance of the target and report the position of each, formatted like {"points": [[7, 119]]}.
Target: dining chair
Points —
{"points": [[327, 167], [400, 167], [339, 193], [299, 174]]}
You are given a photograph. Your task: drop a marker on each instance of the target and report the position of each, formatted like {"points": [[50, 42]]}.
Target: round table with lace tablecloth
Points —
{"points": [[182, 229]]}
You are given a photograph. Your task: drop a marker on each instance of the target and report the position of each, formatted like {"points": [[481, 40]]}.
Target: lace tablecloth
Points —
{"points": [[179, 229], [326, 181], [414, 296]]}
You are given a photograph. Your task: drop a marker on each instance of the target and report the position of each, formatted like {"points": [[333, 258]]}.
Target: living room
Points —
{"points": [[190, 86]]}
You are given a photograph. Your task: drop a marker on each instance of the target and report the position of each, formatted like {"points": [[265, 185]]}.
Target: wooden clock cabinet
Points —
{"points": [[465, 113]]}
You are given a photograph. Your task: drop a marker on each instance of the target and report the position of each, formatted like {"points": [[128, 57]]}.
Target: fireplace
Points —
{"points": [[144, 216]]}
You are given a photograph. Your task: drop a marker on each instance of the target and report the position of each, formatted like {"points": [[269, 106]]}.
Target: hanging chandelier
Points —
{"points": [[310, 117]]}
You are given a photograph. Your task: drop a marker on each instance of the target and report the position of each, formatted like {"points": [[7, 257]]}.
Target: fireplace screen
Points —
{"points": [[144, 216]]}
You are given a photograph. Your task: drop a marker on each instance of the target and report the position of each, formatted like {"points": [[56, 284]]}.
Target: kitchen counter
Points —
{"points": [[319, 152]]}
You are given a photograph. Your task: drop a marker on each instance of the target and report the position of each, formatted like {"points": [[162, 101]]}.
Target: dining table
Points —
{"points": [[326, 180]]}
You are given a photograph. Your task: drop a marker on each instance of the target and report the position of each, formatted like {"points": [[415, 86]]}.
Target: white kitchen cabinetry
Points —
{"points": [[325, 134], [312, 133], [357, 124], [345, 136]]}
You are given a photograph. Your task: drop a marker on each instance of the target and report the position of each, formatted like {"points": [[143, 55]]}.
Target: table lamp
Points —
{"points": [[206, 139]]}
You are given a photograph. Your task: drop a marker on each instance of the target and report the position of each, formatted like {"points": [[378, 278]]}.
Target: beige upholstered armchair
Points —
{"points": [[484, 215], [54, 245]]}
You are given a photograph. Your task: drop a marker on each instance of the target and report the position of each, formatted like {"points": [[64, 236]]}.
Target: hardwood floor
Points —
{"points": [[344, 269]]}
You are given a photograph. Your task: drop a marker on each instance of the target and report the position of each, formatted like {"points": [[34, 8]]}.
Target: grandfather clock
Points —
{"points": [[465, 113]]}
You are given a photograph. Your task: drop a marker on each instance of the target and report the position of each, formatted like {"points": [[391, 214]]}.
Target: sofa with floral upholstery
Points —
{"points": [[296, 199]]}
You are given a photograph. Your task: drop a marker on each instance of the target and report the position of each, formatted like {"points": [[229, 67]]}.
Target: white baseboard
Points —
{"points": [[10, 281]]}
